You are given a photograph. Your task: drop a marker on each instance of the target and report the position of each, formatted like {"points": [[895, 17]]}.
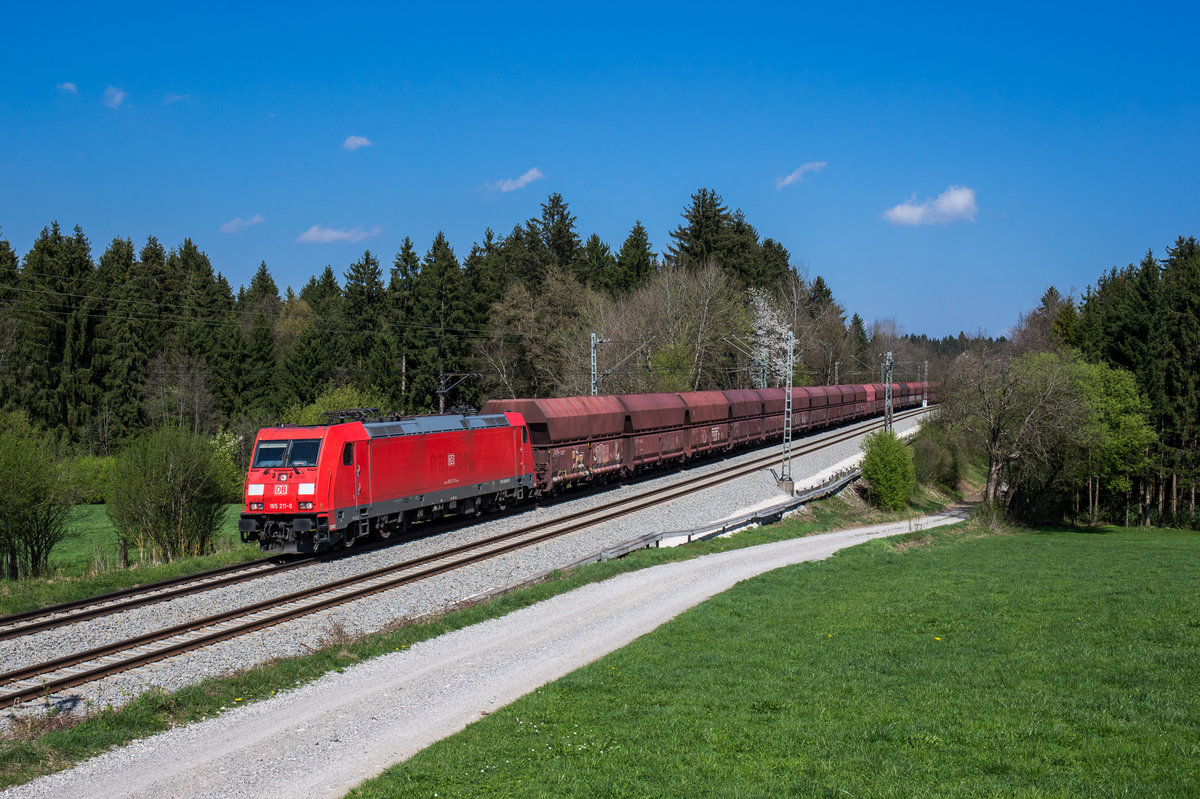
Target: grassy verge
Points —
{"points": [[85, 563], [1036, 664], [40, 746]]}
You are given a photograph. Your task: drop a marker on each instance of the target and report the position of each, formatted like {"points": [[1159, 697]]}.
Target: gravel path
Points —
{"points": [[324, 738], [375, 613]]}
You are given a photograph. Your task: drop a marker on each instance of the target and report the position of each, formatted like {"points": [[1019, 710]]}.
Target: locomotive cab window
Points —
{"points": [[348, 453], [525, 435], [286, 454]]}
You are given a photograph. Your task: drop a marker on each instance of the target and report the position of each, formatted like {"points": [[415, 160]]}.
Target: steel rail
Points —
{"points": [[507, 542]]}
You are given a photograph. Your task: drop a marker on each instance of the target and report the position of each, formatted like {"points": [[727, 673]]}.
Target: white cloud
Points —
{"points": [[798, 175], [955, 204], [519, 183], [237, 223], [352, 143], [68, 86], [324, 235], [172, 97], [113, 97]]}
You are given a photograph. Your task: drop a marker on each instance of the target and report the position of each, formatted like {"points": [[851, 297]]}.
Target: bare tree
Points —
{"points": [[1018, 412]]}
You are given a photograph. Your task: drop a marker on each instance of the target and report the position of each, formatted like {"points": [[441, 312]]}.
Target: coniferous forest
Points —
{"points": [[99, 347]]}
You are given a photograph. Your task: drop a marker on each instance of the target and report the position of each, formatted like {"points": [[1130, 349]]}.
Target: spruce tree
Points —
{"points": [[439, 307], [55, 277], [598, 266], [363, 309], [776, 263], [323, 294], [705, 234], [9, 322], [558, 233], [635, 262], [405, 337], [262, 295]]}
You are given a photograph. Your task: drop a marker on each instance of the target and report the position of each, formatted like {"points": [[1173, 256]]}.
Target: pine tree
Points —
{"points": [[598, 267], [776, 264], [558, 233], [705, 234], [743, 256], [203, 302], [439, 306], [263, 295], [404, 334], [524, 256], [261, 387], [363, 314], [860, 345], [55, 353], [9, 322], [1181, 362], [119, 351], [635, 262], [323, 294]]}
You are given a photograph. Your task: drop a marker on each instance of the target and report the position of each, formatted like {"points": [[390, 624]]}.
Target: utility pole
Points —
{"points": [[785, 469], [594, 375], [925, 387], [887, 395]]}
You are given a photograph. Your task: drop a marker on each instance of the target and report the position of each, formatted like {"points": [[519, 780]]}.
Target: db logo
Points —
{"points": [[280, 489]]}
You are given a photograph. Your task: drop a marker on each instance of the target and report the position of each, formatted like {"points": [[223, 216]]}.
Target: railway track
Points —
{"points": [[44, 679]]}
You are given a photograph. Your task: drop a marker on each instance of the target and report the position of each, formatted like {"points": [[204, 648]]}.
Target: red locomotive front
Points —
{"points": [[312, 487]]}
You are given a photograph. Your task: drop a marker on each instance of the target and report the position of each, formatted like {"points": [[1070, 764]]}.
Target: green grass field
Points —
{"points": [[85, 563], [1027, 665]]}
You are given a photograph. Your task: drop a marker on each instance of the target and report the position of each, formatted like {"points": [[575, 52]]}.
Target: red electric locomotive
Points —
{"points": [[313, 487]]}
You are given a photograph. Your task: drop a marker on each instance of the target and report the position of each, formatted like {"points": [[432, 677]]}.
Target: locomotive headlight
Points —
{"points": [[306, 506], [256, 506]]}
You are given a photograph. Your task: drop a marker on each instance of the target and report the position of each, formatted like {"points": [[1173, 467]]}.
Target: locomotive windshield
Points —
{"points": [[297, 452]]}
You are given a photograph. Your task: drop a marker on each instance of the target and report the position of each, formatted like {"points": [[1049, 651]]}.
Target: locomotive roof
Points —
{"points": [[421, 425]]}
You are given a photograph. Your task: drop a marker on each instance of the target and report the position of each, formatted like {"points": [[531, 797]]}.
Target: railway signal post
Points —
{"points": [[785, 469], [887, 395]]}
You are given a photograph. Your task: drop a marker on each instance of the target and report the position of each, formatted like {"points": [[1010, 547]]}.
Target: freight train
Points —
{"points": [[311, 488]]}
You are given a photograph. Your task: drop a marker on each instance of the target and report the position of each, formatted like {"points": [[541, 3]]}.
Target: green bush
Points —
{"points": [[227, 447], [39, 494], [94, 473], [937, 457], [167, 497], [888, 469]]}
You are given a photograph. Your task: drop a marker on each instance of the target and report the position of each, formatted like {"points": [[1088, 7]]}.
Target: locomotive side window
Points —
{"points": [[348, 453], [525, 435]]}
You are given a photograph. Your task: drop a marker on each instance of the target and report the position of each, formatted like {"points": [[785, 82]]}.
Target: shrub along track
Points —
{"points": [[44, 679]]}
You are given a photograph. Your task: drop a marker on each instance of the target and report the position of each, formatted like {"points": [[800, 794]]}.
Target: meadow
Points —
{"points": [[86, 563], [1055, 663]]}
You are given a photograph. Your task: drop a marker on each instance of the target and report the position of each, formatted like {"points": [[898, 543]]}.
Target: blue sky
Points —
{"points": [[952, 162]]}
